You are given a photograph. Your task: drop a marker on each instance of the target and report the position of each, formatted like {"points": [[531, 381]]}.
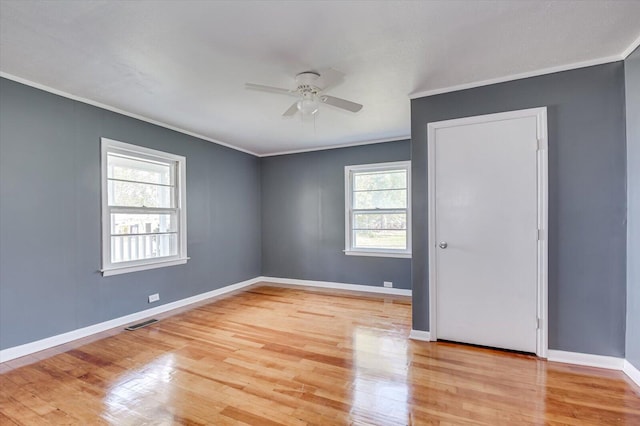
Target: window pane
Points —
{"points": [[391, 199], [139, 170], [380, 221], [133, 223], [380, 239], [131, 194], [380, 180], [137, 247]]}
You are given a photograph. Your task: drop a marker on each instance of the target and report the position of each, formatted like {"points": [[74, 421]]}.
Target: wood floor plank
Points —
{"points": [[278, 355]]}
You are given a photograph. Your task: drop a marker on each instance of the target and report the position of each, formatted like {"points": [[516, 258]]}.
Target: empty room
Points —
{"points": [[319, 212]]}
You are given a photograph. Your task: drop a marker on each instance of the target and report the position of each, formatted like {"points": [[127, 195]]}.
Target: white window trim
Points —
{"points": [[108, 268], [348, 205]]}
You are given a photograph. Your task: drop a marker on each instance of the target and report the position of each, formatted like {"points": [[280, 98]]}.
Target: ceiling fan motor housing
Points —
{"points": [[307, 78], [306, 86]]}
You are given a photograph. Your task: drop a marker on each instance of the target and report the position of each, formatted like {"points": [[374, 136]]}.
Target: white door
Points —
{"points": [[485, 220]]}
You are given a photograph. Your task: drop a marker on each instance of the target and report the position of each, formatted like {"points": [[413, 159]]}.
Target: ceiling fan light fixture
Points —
{"points": [[308, 105]]}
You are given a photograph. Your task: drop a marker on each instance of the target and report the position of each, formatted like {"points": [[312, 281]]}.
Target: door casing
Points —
{"points": [[543, 190]]}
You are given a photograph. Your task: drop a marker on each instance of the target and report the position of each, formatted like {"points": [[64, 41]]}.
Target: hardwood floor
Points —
{"points": [[276, 355]]}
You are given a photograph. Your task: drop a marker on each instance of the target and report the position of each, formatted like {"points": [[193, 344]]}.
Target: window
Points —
{"points": [[143, 208], [378, 209]]}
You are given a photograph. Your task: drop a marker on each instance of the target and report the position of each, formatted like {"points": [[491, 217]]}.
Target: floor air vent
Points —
{"points": [[140, 325]]}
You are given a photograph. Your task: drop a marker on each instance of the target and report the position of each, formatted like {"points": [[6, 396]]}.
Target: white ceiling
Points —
{"points": [[184, 63]]}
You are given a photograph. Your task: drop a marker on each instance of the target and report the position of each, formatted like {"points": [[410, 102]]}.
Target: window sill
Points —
{"points": [[377, 254], [117, 270]]}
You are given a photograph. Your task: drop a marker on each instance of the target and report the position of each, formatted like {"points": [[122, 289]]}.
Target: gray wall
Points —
{"points": [[587, 204], [50, 217], [303, 217], [632, 82]]}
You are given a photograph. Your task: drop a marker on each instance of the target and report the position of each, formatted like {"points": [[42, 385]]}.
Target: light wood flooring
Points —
{"points": [[275, 355]]}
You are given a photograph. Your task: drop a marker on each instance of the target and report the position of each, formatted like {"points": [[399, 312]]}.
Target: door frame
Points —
{"points": [[543, 195]]}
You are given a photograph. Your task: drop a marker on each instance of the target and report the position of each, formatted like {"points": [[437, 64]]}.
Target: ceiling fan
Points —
{"points": [[310, 95]]}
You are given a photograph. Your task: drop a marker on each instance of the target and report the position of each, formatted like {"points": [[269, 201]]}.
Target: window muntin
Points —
{"points": [[143, 208], [378, 209]]}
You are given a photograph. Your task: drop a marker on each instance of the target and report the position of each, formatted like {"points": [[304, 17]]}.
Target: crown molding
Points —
{"points": [[178, 129], [512, 77], [119, 111], [369, 142], [608, 59], [629, 50]]}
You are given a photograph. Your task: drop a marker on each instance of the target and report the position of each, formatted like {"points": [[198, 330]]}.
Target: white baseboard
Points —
{"points": [[420, 335], [8, 354], [338, 286], [50, 342], [589, 360], [631, 371]]}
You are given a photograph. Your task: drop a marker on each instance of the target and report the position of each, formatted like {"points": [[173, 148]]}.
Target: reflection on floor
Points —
{"points": [[277, 355]]}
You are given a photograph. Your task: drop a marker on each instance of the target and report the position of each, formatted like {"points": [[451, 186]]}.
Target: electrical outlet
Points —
{"points": [[154, 297], [388, 284]]}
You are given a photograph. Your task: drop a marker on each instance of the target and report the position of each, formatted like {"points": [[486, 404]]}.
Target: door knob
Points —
{"points": [[443, 244]]}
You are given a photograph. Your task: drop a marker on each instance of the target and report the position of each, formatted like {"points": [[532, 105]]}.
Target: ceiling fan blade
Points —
{"points": [[291, 111], [341, 103], [270, 89]]}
